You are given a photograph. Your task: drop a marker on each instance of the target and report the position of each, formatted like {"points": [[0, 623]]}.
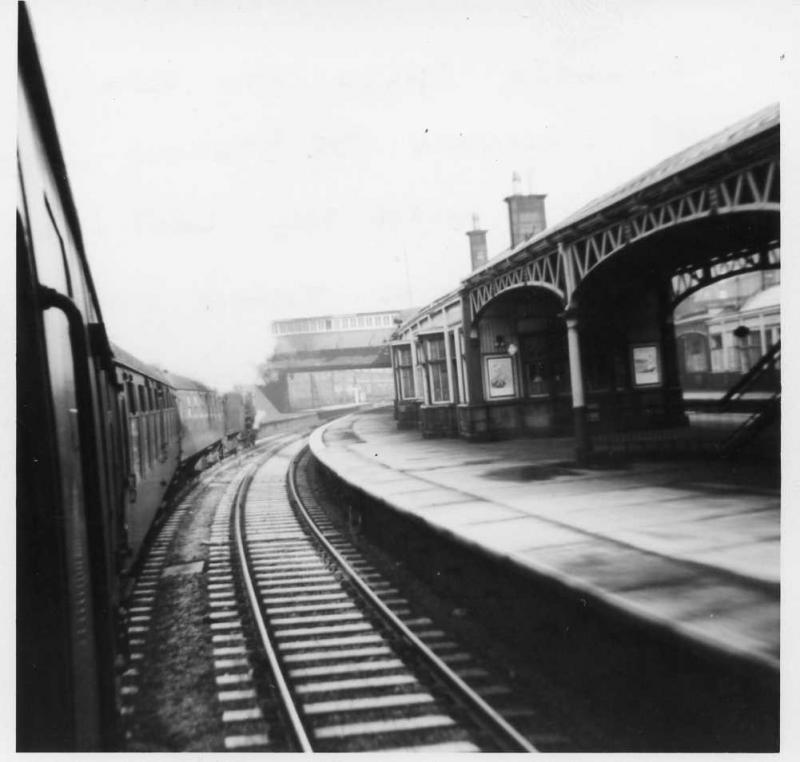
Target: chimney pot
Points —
{"points": [[525, 215], [478, 251]]}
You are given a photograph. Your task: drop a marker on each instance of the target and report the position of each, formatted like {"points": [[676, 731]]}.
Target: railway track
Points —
{"points": [[251, 631], [311, 648], [350, 675]]}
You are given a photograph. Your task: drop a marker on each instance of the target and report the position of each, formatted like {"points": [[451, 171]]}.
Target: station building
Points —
{"points": [[329, 360], [573, 328], [723, 330]]}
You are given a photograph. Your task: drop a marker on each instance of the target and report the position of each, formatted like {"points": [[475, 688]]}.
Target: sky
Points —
{"points": [[237, 162]]}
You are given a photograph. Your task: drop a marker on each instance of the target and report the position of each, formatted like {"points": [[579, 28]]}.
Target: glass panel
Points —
{"points": [[438, 376], [434, 349]]}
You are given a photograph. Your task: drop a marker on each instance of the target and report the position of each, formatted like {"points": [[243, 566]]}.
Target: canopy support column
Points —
{"points": [[582, 442]]}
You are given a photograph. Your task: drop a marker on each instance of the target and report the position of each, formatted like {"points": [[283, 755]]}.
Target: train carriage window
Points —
{"points": [[142, 398], [70, 259], [61, 247]]}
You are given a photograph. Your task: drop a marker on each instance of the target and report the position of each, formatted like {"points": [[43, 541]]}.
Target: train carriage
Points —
{"points": [[202, 424], [151, 435], [100, 436], [67, 528]]}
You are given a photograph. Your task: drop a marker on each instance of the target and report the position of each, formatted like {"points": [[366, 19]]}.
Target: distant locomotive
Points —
{"points": [[100, 436]]}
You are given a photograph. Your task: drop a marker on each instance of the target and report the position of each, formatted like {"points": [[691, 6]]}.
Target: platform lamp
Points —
{"points": [[501, 345]]}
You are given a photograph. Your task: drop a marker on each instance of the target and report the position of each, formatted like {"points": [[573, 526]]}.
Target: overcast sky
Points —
{"points": [[235, 162]]}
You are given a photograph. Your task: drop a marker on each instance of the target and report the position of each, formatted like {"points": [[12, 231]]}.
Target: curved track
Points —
{"points": [[349, 674]]}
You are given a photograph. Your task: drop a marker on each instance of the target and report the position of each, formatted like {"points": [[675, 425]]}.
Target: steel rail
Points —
{"points": [[293, 715], [486, 713]]}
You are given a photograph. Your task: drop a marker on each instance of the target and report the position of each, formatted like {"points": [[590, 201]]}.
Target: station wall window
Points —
{"points": [[773, 335], [695, 353], [436, 364], [750, 350], [535, 363], [130, 396], [404, 369]]}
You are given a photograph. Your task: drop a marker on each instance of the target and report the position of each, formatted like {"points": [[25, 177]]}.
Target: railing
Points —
{"points": [[765, 363], [766, 415]]}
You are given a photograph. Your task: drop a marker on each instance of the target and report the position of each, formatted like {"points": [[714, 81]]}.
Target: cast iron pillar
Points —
{"points": [[582, 442]]}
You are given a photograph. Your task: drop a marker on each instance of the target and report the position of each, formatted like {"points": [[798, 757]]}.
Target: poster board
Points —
{"points": [[646, 364], [499, 377]]}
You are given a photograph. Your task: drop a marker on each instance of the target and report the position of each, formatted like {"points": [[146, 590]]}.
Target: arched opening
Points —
{"points": [[524, 366], [638, 352]]}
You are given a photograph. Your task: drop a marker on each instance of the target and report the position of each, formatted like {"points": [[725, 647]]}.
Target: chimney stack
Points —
{"points": [[525, 213], [477, 244]]}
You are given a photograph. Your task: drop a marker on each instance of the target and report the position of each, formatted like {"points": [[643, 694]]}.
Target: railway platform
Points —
{"points": [[687, 545]]}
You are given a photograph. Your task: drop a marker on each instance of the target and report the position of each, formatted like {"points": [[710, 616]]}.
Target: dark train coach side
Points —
{"points": [[201, 416], [68, 443]]}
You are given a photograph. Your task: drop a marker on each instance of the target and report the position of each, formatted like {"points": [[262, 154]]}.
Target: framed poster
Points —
{"points": [[646, 364], [499, 377]]}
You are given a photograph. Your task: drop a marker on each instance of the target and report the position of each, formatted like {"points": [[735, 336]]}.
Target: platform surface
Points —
{"points": [[689, 545]]}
